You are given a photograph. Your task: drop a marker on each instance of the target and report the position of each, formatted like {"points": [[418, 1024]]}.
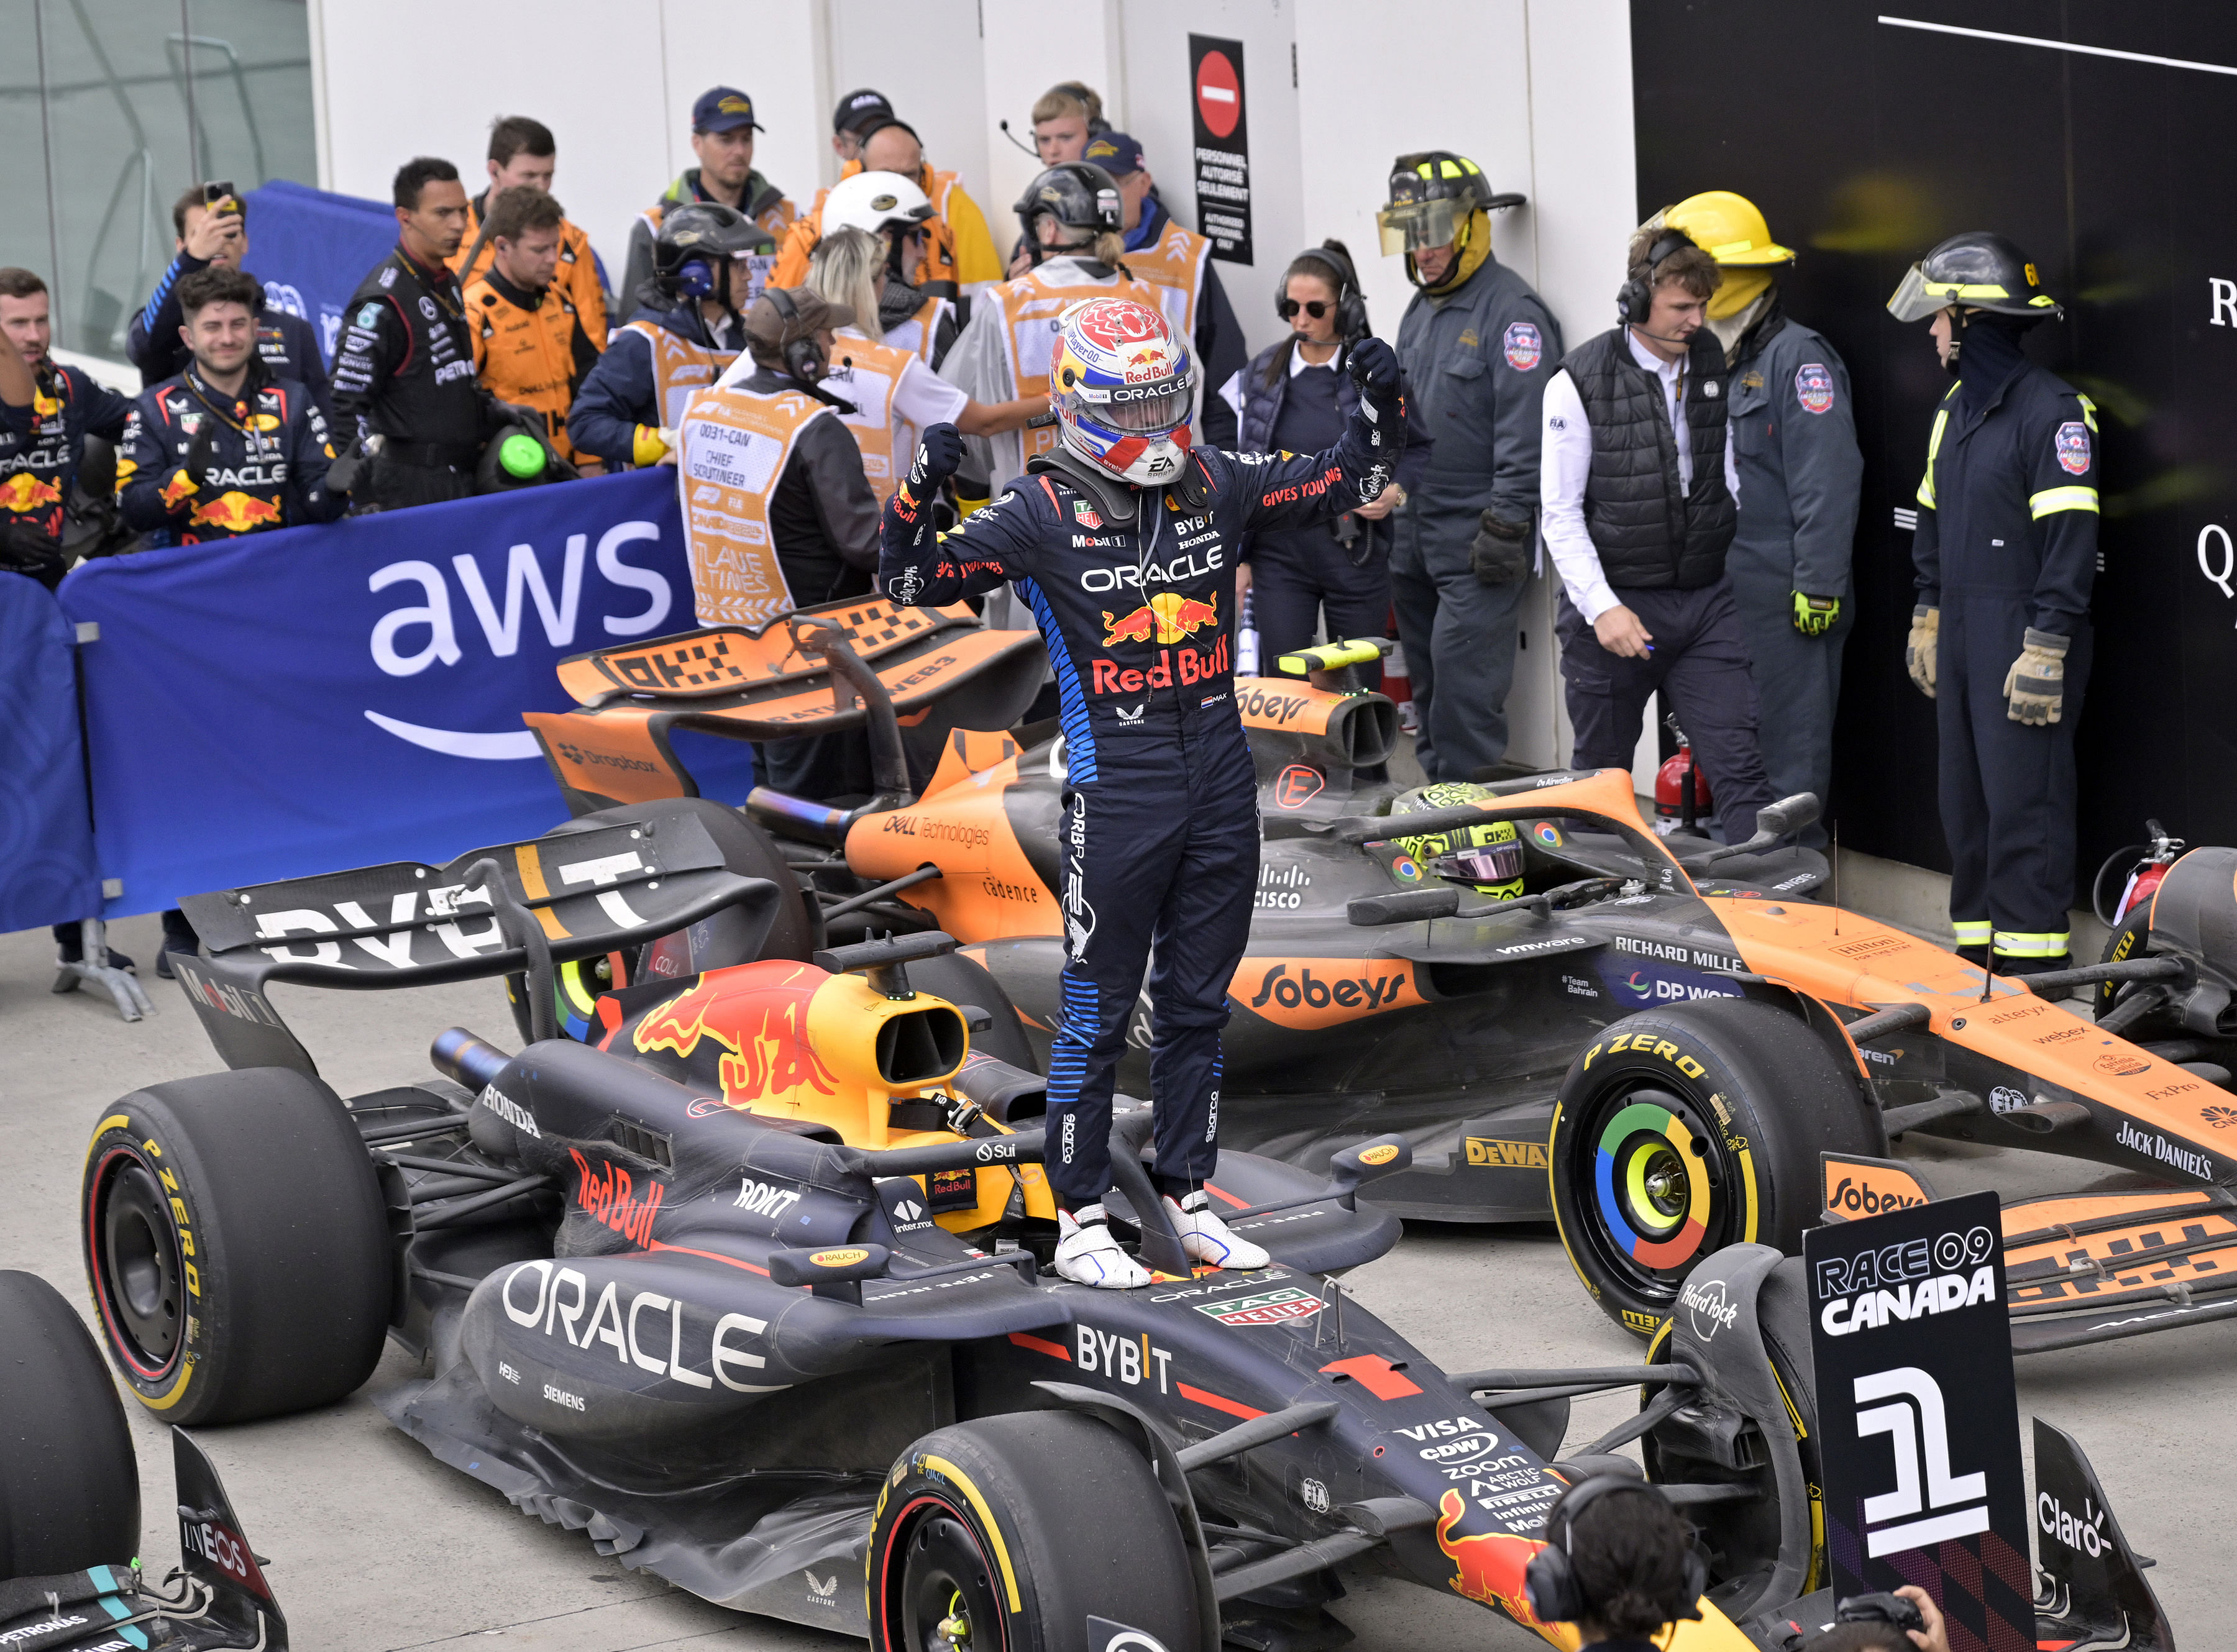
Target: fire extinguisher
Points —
{"points": [[2141, 866], [1681, 791], [1396, 685]]}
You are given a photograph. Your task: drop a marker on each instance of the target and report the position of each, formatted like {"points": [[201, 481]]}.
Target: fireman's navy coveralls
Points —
{"points": [[1159, 839], [2007, 540]]}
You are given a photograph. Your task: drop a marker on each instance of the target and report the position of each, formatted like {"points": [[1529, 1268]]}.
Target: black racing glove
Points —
{"points": [[939, 456], [1375, 369], [342, 474], [1499, 554]]}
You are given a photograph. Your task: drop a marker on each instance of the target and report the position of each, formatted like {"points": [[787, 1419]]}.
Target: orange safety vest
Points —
{"points": [[528, 356], [577, 275], [679, 367], [1175, 266], [873, 373], [1033, 312], [734, 444], [938, 263], [921, 331]]}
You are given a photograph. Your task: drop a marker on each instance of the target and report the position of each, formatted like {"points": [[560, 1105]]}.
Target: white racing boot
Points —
{"points": [[1205, 1238], [1088, 1253]]}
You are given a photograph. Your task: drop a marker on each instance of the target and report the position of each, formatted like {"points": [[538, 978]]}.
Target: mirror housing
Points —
{"points": [[1364, 1162], [1772, 822]]}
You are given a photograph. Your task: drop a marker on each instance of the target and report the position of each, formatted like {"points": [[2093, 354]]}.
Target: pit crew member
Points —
{"points": [[46, 412], [1121, 544], [2005, 555]]}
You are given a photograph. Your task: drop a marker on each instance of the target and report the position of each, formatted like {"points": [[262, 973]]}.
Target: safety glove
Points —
{"points": [[938, 457], [1499, 553], [1919, 652], [2036, 685], [1814, 616], [347, 469]]}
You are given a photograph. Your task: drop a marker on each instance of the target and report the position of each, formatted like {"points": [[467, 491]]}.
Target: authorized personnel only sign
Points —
{"points": [[1919, 1414], [1223, 147]]}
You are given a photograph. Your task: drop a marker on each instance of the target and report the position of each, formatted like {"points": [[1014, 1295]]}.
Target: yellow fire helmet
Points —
{"points": [[1487, 857], [1728, 227]]}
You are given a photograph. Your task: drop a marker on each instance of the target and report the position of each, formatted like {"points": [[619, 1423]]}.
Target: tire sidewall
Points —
{"points": [[144, 1135]]}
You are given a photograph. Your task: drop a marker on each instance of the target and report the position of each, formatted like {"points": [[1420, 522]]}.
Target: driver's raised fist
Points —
{"points": [[1375, 368], [938, 457]]}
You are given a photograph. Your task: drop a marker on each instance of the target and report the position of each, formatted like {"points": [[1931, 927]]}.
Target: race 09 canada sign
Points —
{"points": [[326, 697], [1919, 1423]]}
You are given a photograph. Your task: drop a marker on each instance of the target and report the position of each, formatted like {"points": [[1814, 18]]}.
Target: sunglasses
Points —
{"points": [[1314, 307]]}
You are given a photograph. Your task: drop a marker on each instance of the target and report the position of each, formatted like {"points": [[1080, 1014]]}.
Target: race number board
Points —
{"points": [[1919, 1418]]}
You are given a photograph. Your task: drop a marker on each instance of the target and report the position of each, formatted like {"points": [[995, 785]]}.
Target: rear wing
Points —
{"points": [[492, 912]]}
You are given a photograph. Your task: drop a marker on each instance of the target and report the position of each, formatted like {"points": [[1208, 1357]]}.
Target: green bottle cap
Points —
{"points": [[521, 456]]}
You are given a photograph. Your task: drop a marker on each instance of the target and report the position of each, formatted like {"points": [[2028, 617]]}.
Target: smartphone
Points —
{"points": [[217, 195]]}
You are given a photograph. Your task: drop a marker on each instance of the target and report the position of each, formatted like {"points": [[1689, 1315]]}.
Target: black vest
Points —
{"points": [[1651, 534]]}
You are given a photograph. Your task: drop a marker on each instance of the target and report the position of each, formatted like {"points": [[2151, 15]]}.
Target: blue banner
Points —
{"points": [[311, 248], [46, 842], [324, 697]]}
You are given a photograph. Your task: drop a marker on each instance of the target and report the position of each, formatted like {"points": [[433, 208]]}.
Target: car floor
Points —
{"points": [[375, 1547]]}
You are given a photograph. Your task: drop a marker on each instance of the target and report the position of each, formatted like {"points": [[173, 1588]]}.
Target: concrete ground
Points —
{"points": [[375, 1546]]}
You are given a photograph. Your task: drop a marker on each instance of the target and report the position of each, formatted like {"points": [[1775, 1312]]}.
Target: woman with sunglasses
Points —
{"points": [[1295, 397]]}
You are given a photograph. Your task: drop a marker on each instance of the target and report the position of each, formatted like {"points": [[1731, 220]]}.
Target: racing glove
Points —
{"points": [[1814, 616], [938, 457], [2036, 685], [1375, 369], [1499, 553], [1919, 652]]}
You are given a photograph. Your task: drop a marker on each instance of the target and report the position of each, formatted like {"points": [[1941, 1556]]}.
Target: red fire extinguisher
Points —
{"points": [[2140, 867], [1681, 791]]}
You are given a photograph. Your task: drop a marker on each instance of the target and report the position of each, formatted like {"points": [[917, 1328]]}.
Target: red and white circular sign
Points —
{"points": [[1218, 94]]}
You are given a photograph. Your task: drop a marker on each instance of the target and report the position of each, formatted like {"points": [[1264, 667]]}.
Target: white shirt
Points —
{"points": [[1565, 460], [979, 363], [920, 397]]}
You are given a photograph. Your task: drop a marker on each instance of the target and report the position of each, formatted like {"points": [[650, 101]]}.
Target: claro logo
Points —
{"points": [[409, 640]]}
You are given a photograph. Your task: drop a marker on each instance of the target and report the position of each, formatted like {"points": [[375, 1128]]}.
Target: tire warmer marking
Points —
{"points": [[986, 1519]]}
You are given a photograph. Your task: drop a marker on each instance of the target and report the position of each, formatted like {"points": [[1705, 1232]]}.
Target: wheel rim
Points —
{"points": [[948, 1602], [138, 1272], [1655, 1187]]}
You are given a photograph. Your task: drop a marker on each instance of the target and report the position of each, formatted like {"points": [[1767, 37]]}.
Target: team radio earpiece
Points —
{"points": [[1635, 299], [1550, 1580], [804, 357], [1350, 305]]}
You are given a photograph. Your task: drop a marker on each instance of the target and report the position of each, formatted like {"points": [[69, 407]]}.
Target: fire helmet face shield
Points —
{"points": [[1487, 859], [1124, 388], [1977, 270], [1432, 196]]}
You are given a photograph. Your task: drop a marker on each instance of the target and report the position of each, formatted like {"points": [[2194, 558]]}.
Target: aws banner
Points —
{"points": [[328, 697]]}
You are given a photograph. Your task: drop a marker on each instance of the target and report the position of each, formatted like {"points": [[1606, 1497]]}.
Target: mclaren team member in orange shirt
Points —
{"points": [[530, 345], [957, 260], [224, 449], [723, 128], [523, 155]]}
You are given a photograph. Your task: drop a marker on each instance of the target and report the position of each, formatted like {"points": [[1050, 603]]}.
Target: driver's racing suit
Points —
{"points": [[1158, 840]]}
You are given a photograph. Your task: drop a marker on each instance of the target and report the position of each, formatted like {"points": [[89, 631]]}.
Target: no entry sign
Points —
{"points": [[1221, 118]]}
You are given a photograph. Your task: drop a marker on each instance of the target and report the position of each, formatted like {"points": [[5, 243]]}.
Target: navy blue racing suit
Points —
{"points": [[1160, 831]]}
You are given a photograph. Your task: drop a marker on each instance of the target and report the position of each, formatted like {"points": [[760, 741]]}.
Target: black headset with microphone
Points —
{"points": [[1550, 1580], [1350, 303], [1635, 299], [803, 358]]}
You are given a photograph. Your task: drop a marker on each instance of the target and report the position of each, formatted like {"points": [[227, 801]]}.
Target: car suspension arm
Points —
{"points": [[1259, 1431], [922, 875], [1580, 1380], [1372, 1523], [1629, 1430]]}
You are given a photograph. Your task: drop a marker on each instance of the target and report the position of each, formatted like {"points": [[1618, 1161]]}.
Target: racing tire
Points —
{"points": [[1680, 1131], [1024, 1524], [70, 1485], [237, 1244], [965, 980]]}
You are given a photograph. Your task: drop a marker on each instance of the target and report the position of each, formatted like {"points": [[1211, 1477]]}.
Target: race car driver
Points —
{"points": [[1486, 857], [2005, 555], [1122, 543], [224, 449]]}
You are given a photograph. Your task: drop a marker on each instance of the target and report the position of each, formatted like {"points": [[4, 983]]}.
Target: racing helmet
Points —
{"points": [[1729, 227], [876, 201], [1979, 270], [1079, 194], [1123, 387], [697, 238], [1488, 858]]}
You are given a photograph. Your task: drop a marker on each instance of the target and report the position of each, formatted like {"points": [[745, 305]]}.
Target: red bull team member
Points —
{"points": [[224, 449], [1121, 542], [46, 413]]}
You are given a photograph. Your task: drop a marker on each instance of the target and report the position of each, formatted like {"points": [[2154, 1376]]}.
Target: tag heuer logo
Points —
{"points": [[1085, 514], [1273, 1308]]}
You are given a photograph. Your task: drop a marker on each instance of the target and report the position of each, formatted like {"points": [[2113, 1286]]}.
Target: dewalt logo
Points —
{"points": [[1506, 1155]]}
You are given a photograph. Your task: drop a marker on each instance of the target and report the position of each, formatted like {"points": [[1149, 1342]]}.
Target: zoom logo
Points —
{"points": [[1929, 1505]]}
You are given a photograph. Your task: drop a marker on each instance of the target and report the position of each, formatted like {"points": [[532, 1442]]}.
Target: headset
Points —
{"points": [[803, 358], [695, 279], [1550, 1582], [1635, 299], [1350, 306]]}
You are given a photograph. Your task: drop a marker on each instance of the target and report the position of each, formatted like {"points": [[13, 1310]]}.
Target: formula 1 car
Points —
{"points": [[745, 1282], [69, 1509], [1659, 1051]]}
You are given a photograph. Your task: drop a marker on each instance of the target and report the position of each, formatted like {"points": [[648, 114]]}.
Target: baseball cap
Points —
{"points": [[721, 108], [1115, 151], [769, 327], [858, 112]]}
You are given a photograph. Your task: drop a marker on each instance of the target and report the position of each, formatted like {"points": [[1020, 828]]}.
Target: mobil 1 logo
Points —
{"points": [[1919, 1416]]}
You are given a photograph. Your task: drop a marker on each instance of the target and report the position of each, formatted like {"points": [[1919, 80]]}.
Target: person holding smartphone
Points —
{"points": [[210, 228]]}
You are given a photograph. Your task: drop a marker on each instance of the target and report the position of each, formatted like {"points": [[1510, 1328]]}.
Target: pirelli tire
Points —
{"points": [[237, 1245], [1006, 1533], [1680, 1131], [70, 1486]]}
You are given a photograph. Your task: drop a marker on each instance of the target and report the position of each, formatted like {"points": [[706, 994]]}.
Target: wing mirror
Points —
{"points": [[1772, 822], [1366, 1162], [834, 1271]]}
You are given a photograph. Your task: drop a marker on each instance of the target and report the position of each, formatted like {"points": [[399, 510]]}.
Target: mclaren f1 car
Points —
{"points": [[745, 1280], [1667, 1051]]}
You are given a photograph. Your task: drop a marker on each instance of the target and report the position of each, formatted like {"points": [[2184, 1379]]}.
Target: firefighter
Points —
{"points": [[523, 153], [1478, 346], [723, 128], [686, 331], [530, 345], [1793, 431], [2005, 555]]}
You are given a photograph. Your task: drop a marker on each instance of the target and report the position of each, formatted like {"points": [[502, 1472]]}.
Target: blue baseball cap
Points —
{"points": [[723, 108], [1115, 151]]}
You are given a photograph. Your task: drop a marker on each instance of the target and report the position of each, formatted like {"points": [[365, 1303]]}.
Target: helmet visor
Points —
{"points": [[1139, 410], [1414, 226], [1916, 299], [1489, 863]]}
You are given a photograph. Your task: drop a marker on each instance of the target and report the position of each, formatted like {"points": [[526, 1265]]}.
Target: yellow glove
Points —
{"points": [[1814, 616], [652, 444], [2036, 685], [1919, 652]]}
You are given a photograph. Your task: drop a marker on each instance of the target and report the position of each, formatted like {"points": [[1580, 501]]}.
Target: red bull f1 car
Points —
{"points": [[743, 1280]]}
